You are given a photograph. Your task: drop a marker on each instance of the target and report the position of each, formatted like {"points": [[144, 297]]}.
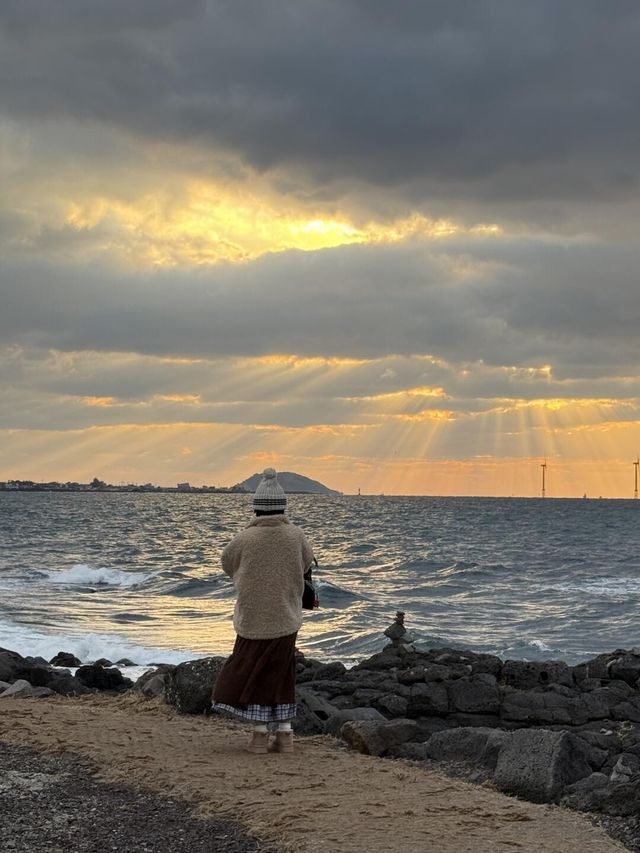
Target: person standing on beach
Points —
{"points": [[266, 562]]}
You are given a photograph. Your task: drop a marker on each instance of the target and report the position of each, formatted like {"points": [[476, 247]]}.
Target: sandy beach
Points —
{"points": [[322, 798]]}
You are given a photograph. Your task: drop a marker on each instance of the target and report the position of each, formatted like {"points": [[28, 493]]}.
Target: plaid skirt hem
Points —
{"points": [[259, 713]]}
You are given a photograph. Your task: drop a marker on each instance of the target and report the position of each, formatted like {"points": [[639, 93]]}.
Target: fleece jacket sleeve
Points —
{"points": [[231, 557]]}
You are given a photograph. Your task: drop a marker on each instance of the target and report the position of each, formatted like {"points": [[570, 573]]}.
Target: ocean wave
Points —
{"points": [[189, 587], [82, 575], [87, 647], [333, 595], [530, 649]]}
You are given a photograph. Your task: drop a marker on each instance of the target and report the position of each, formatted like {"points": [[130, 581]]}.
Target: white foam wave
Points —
{"points": [[82, 575], [87, 647]]}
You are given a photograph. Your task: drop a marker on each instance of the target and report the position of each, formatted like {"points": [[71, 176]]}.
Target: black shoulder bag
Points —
{"points": [[310, 599]]}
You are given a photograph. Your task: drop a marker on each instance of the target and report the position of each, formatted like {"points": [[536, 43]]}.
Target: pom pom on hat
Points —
{"points": [[269, 495]]}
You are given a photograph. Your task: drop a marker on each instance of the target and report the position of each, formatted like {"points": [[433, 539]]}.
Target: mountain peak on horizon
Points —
{"points": [[291, 483]]}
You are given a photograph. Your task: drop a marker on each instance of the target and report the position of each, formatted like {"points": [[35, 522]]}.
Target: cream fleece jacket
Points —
{"points": [[266, 562]]}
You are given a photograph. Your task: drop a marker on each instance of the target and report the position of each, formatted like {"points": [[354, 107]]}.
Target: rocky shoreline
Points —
{"points": [[543, 731]]}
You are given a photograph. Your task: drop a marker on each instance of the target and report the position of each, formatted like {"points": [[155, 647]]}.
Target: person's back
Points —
{"points": [[266, 562]]}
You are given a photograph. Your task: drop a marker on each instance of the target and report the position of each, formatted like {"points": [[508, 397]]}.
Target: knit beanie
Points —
{"points": [[269, 494]]}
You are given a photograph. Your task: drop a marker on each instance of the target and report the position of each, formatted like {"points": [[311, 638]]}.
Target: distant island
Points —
{"points": [[290, 482]]}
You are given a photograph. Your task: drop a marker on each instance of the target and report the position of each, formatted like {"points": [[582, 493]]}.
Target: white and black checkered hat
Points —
{"points": [[269, 495]]}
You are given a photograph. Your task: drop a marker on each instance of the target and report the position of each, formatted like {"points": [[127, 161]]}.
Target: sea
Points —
{"points": [[128, 575]]}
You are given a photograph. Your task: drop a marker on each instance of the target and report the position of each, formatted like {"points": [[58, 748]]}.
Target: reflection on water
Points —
{"points": [[526, 578]]}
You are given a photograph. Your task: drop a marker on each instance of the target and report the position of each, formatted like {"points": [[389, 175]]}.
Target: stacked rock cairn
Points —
{"points": [[401, 639]]}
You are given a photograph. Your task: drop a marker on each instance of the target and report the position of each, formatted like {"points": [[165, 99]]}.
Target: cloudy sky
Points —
{"points": [[388, 246]]}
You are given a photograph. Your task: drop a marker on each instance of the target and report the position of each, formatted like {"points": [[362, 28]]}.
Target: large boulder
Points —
{"points": [[313, 712], [586, 794], [598, 794], [475, 694], [68, 685], [621, 800], [153, 683], [626, 668], [320, 671], [525, 675], [37, 676], [600, 666], [628, 710], [474, 746], [537, 764], [21, 689], [428, 699], [65, 659], [11, 663], [373, 738], [393, 705], [552, 707], [190, 685], [13, 667], [334, 724], [102, 678]]}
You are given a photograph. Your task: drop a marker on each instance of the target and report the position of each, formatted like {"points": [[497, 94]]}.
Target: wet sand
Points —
{"points": [[321, 798]]}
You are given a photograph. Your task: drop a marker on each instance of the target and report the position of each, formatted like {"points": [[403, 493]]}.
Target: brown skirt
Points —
{"points": [[258, 673]]}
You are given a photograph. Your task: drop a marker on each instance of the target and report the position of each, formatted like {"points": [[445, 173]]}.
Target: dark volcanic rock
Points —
{"points": [[374, 738], [103, 678], [551, 707], [622, 800], [38, 676], [393, 705], [524, 675], [538, 764], [21, 689], [313, 712], [10, 664], [65, 659], [581, 795], [428, 699], [154, 682], [479, 746], [476, 694], [388, 658], [321, 672], [626, 668], [334, 724], [468, 662], [190, 685], [67, 685], [628, 710], [597, 667], [37, 661], [426, 672]]}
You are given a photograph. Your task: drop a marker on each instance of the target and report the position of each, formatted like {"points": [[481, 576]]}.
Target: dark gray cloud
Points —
{"points": [[573, 305], [517, 102]]}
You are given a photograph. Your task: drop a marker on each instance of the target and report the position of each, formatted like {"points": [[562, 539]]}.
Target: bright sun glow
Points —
{"points": [[207, 223]]}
